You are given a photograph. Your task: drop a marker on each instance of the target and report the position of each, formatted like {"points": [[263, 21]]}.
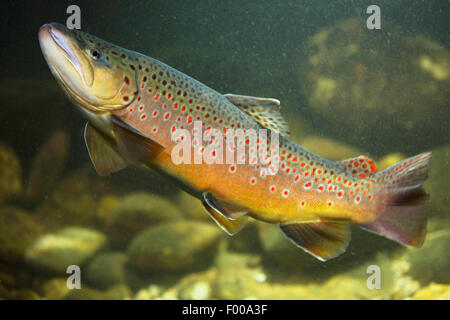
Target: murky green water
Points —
{"points": [[345, 91]]}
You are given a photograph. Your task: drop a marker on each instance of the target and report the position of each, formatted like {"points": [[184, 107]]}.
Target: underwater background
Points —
{"points": [[345, 91]]}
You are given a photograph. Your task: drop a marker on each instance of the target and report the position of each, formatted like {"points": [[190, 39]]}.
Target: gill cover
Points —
{"points": [[97, 75]]}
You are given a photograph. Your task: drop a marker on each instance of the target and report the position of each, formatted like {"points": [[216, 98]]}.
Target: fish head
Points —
{"points": [[95, 74]]}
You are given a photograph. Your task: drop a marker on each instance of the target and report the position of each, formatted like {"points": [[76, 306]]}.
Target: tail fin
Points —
{"points": [[401, 215]]}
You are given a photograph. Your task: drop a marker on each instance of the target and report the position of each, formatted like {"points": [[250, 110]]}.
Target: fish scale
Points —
{"points": [[134, 104]]}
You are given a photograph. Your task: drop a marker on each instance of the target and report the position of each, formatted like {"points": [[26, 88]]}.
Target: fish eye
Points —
{"points": [[95, 54]]}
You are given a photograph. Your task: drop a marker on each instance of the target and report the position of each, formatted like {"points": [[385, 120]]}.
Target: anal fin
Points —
{"points": [[322, 239], [102, 153]]}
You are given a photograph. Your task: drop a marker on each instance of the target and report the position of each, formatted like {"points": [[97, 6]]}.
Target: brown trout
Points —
{"points": [[134, 104]]}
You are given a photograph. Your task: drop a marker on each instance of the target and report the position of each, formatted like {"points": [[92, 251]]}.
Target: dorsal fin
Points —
{"points": [[322, 239], [103, 155], [359, 166], [265, 111]]}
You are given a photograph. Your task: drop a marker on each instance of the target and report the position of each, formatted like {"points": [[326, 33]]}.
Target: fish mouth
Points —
{"points": [[65, 59], [63, 43], [58, 45], [65, 53]]}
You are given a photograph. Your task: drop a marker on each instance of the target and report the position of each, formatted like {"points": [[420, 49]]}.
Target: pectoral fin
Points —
{"points": [[222, 216], [102, 153], [323, 239], [134, 145]]}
